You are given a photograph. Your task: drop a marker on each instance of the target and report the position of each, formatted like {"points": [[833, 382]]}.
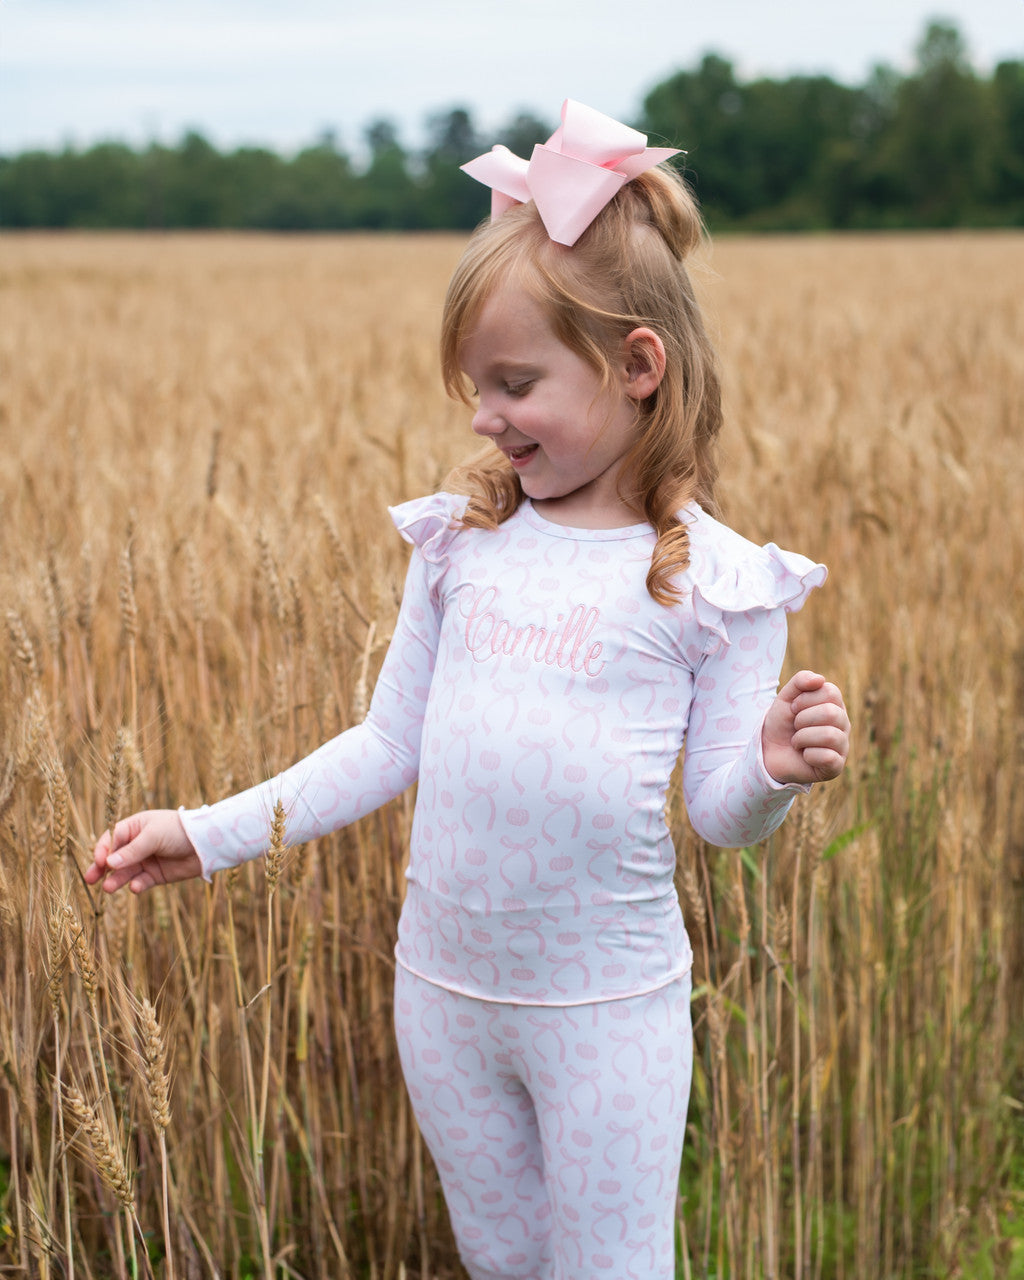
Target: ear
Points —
{"points": [[644, 363]]}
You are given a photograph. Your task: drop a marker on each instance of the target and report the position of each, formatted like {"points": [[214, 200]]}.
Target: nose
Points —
{"points": [[486, 422]]}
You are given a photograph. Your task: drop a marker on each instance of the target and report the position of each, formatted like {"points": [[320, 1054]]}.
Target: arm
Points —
{"points": [[749, 752], [343, 780]]}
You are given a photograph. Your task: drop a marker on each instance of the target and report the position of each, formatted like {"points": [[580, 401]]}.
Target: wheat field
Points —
{"points": [[200, 437]]}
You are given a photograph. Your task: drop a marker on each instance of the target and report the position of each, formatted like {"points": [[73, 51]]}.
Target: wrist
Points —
{"points": [[770, 766], [204, 870]]}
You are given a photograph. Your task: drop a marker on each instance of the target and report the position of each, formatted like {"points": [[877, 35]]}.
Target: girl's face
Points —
{"points": [[547, 410]]}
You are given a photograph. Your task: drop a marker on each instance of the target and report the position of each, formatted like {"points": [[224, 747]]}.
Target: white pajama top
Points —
{"points": [[541, 698]]}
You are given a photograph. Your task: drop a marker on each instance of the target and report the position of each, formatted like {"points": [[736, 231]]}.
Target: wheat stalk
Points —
{"points": [[58, 957], [24, 649], [894, 1012], [154, 1053], [107, 1154], [213, 467], [271, 578], [126, 593], [82, 953], [275, 854], [58, 794]]}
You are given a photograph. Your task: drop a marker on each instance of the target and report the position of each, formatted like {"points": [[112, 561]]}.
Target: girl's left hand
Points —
{"points": [[805, 736]]}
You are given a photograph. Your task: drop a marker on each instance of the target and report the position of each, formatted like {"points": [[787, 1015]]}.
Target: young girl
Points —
{"points": [[570, 617]]}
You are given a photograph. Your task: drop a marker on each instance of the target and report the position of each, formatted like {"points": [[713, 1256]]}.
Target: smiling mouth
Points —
{"points": [[522, 453]]}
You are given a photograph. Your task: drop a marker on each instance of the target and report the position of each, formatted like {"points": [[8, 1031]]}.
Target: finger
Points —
{"points": [[142, 881], [125, 831], [99, 858], [801, 683], [101, 854], [825, 695], [98, 867], [114, 880], [138, 880], [829, 737], [133, 851], [155, 873], [825, 763], [825, 714]]}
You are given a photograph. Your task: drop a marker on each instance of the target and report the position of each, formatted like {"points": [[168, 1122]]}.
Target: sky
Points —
{"points": [[282, 72]]}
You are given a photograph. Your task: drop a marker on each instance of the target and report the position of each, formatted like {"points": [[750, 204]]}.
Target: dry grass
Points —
{"points": [[201, 435]]}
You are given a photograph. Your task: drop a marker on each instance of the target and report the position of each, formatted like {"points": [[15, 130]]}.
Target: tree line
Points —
{"points": [[939, 146]]}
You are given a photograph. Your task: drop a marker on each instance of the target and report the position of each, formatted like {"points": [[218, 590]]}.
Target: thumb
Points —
{"points": [[135, 840]]}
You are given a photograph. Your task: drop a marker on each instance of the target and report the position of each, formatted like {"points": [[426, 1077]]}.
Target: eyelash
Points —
{"points": [[516, 390]]}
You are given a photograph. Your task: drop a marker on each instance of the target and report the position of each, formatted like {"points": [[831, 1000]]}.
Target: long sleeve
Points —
{"points": [[731, 798], [352, 774]]}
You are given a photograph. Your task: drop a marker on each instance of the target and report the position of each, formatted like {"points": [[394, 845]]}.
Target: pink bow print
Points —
{"points": [[573, 175]]}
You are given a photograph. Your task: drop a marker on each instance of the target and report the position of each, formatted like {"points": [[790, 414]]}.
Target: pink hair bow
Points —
{"points": [[573, 175]]}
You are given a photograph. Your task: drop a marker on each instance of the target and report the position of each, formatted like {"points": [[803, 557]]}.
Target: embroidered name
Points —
{"points": [[566, 645]]}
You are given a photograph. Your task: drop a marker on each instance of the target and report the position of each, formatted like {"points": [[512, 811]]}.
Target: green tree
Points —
{"points": [[385, 195], [1008, 109], [522, 133], [770, 152], [31, 190], [324, 187], [193, 185], [450, 199], [248, 182], [853, 189], [105, 187], [794, 127], [939, 148], [101, 187], [704, 111]]}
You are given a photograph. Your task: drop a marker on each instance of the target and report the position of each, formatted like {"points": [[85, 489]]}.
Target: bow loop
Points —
{"points": [[573, 175], [505, 173], [596, 138]]}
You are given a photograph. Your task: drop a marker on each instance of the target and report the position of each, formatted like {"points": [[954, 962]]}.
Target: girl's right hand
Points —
{"points": [[149, 848]]}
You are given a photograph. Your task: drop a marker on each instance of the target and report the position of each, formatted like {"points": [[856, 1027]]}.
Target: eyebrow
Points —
{"points": [[495, 368]]}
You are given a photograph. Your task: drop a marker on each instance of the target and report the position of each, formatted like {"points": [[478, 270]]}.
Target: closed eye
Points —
{"points": [[518, 388]]}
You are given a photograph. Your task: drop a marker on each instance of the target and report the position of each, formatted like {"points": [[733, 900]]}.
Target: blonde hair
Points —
{"points": [[625, 272]]}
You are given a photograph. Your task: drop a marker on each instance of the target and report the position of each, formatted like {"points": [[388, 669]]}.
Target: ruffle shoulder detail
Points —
{"points": [[729, 574], [430, 523]]}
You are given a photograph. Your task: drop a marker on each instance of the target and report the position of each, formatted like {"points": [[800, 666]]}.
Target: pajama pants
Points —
{"points": [[556, 1131]]}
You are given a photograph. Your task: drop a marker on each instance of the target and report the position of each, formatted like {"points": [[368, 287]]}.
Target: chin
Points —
{"points": [[543, 491]]}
